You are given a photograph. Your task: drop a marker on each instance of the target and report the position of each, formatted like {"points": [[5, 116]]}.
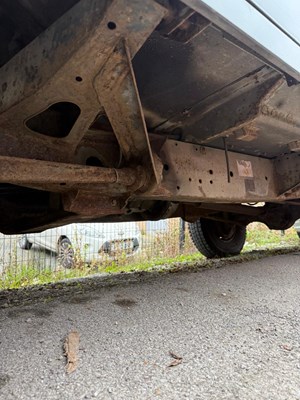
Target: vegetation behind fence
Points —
{"points": [[94, 248]]}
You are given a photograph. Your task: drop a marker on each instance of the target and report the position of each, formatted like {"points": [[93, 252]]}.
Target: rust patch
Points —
{"points": [[279, 115]]}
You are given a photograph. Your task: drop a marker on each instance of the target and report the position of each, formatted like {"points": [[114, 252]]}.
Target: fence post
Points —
{"points": [[181, 235]]}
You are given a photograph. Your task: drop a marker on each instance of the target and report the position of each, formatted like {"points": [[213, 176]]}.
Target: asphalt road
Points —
{"points": [[236, 328]]}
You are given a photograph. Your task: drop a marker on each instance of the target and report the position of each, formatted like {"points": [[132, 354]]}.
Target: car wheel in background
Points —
{"points": [[66, 256], [217, 239], [24, 243]]}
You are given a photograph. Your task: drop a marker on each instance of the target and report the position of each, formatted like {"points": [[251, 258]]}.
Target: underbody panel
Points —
{"points": [[117, 110]]}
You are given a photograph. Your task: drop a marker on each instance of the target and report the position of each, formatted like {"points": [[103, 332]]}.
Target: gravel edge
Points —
{"points": [[76, 286]]}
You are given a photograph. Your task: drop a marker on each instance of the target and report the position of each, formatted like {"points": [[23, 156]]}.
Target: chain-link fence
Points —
{"points": [[79, 249]]}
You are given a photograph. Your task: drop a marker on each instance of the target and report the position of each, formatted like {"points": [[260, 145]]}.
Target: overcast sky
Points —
{"points": [[246, 18], [285, 12]]}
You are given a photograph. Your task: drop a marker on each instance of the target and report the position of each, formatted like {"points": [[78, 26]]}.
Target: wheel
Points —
{"points": [[24, 243], [65, 253], [214, 238]]}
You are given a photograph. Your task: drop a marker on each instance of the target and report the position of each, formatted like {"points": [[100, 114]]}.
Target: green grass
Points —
{"points": [[259, 237], [22, 276], [147, 265]]}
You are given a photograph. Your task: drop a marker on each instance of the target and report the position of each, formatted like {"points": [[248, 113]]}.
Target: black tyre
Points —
{"points": [[24, 243], [66, 257], [217, 239]]}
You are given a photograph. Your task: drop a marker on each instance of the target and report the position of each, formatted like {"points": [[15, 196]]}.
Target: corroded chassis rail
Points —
{"points": [[191, 173]]}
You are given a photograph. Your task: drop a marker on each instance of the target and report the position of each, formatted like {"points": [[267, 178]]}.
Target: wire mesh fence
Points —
{"points": [[80, 249]]}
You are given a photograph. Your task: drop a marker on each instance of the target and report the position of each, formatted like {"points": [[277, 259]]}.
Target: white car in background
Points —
{"points": [[297, 227], [88, 240]]}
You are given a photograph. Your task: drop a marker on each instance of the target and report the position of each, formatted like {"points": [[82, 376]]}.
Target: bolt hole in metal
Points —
{"points": [[111, 25], [231, 174], [200, 180], [266, 178], [211, 182], [190, 179], [78, 78], [166, 167], [211, 171], [178, 187]]}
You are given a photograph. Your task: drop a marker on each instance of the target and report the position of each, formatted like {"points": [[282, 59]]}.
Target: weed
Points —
{"points": [[29, 276], [159, 250]]}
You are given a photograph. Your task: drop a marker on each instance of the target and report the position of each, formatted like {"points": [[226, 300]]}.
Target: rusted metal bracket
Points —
{"points": [[118, 93], [288, 176], [60, 66], [86, 203], [194, 173]]}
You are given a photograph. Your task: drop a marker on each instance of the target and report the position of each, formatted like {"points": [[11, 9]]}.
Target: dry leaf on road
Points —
{"points": [[173, 355], [177, 359], [175, 362], [71, 347]]}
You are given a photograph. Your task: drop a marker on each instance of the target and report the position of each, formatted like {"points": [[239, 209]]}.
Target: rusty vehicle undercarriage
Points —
{"points": [[120, 110]]}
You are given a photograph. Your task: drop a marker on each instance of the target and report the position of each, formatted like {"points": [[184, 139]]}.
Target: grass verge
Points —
{"points": [[258, 238]]}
